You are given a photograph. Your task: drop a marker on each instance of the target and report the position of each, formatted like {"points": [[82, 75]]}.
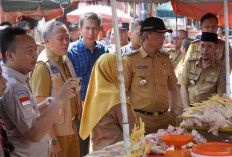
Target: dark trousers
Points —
{"points": [[84, 144]]}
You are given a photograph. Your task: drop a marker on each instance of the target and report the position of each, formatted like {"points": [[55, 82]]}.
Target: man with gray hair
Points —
{"points": [[51, 70], [135, 36], [84, 53]]}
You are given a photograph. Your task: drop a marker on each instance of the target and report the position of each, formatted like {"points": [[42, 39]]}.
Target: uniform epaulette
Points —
{"points": [[192, 59], [130, 54], [164, 53], [197, 40]]}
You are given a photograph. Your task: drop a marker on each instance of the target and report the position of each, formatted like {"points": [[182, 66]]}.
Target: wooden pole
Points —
{"points": [[227, 47], [126, 133]]}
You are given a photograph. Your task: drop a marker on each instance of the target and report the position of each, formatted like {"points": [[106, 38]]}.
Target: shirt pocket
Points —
{"points": [[163, 76], [57, 82], [142, 78], [211, 82]]}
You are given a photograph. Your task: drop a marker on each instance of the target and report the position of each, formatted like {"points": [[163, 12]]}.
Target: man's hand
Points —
{"points": [[54, 150], [48, 100], [67, 91]]}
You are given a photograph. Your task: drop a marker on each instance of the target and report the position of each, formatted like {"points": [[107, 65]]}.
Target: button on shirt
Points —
{"points": [[19, 112], [83, 60], [159, 75]]}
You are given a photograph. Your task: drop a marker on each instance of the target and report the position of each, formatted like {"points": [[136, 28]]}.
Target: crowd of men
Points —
{"points": [[53, 102]]}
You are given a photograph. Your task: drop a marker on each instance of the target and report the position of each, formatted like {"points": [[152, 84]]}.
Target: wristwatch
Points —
{"points": [[53, 141]]}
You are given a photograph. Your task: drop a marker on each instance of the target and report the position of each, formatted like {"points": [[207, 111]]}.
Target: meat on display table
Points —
{"points": [[154, 155]]}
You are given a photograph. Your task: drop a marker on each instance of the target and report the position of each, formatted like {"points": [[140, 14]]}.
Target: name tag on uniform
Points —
{"points": [[197, 51], [141, 67], [193, 73]]}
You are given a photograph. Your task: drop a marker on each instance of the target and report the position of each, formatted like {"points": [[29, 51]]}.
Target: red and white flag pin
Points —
{"points": [[25, 101]]}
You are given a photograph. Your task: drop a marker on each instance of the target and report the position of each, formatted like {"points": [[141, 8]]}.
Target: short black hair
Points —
{"points": [[208, 16], [7, 39], [6, 23]]}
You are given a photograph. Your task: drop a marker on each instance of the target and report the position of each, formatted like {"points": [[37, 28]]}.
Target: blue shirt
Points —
{"points": [[83, 60]]}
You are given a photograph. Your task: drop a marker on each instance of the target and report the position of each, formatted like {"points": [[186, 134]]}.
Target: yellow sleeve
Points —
{"points": [[183, 80], [128, 74], [41, 81]]}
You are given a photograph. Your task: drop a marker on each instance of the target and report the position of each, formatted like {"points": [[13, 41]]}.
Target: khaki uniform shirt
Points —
{"points": [[19, 112], [194, 51], [179, 68], [158, 75], [109, 130], [202, 83], [41, 79], [175, 57]]}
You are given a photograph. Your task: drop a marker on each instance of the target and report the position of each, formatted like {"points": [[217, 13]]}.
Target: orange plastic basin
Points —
{"points": [[213, 149], [177, 140]]}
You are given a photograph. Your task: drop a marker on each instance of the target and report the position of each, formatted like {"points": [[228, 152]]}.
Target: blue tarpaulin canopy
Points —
{"points": [[165, 11]]}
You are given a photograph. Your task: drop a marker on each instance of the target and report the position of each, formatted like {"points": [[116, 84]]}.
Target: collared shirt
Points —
{"points": [[127, 50], [41, 79], [202, 83], [83, 61], [19, 112], [148, 80]]}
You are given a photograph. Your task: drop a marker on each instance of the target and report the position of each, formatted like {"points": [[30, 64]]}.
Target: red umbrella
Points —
{"points": [[196, 9], [103, 11]]}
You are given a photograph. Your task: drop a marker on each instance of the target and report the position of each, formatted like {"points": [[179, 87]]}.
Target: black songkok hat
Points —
{"points": [[210, 37]]}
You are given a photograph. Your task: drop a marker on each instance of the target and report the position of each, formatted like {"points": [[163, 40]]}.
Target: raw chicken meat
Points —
{"points": [[215, 113]]}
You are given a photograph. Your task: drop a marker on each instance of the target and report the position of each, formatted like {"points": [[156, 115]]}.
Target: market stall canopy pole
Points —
{"points": [[227, 49], [126, 133]]}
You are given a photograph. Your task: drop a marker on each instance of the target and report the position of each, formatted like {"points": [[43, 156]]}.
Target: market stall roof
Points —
{"points": [[12, 10], [196, 9], [104, 11], [165, 11], [26, 5]]}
